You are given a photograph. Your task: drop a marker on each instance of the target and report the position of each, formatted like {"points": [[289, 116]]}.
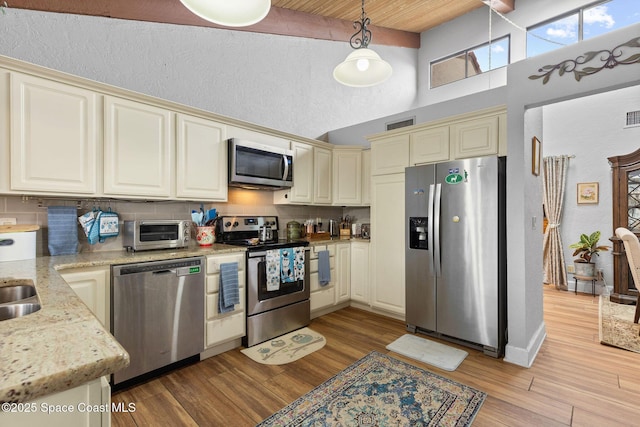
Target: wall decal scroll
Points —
{"points": [[608, 59]]}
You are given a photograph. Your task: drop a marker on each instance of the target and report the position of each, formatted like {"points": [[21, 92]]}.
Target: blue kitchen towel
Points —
{"points": [[287, 265], [229, 292], [324, 268], [63, 230]]}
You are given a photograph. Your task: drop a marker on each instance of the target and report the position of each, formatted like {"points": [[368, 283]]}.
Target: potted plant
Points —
{"points": [[585, 249]]}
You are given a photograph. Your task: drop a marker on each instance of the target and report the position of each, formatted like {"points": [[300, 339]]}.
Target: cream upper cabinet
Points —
{"points": [[366, 177], [302, 190], [429, 145], [360, 271], [387, 243], [54, 136], [322, 188], [201, 159], [5, 153], [138, 149], [347, 177], [92, 285], [390, 154], [474, 138]]}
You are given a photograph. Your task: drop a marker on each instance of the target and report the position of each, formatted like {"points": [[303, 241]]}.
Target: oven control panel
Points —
{"points": [[247, 223]]}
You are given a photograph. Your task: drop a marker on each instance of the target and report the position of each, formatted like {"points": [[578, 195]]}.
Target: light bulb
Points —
{"points": [[362, 64]]}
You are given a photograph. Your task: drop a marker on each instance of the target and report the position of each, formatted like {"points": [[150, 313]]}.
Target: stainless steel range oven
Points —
{"points": [[277, 277]]}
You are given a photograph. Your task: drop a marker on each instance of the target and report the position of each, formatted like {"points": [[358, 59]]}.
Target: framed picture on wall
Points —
{"points": [[535, 156], [587, 193]]}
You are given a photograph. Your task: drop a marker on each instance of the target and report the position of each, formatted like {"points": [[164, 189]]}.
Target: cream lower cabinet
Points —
{"points": [[92, 285], [223, 327], [54, 137], [322, 296], [387, 243], [360, 272], [201, 159], [343, 272], [138, 149], [87, 405]]}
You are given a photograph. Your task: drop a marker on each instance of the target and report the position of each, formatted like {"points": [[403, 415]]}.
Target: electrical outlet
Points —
{"points": [[571, 268], [7, 221]]}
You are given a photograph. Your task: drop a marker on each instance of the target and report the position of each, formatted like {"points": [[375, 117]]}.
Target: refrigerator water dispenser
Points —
{"points": [[418, 233]]}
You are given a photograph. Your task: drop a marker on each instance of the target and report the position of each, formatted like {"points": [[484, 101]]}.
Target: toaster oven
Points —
{"points": [[142, 235]]}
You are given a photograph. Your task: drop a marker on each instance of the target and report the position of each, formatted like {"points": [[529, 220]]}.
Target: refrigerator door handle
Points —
{"points": [[435, 231], [432, 191]]}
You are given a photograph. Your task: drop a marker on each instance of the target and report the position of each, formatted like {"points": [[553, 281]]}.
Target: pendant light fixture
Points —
{"points": [[363, 67], [230, 13]]}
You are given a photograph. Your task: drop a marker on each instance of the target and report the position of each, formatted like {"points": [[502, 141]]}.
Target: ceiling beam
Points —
{"points": [[502, 6], [279, 21]]}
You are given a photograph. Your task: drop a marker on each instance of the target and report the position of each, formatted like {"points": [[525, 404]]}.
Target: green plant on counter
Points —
{"points": [[587, 247]]}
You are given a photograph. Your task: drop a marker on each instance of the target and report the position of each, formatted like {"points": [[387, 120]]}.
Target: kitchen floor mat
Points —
{"points": [[286, 348], [427, 351]]}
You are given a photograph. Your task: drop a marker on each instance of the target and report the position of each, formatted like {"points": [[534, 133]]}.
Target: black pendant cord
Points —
{"points": [[362, 37]]}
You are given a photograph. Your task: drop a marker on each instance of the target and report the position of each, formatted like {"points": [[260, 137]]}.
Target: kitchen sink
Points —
{"points": [[11, 311], [16, 293], [18, 297]]}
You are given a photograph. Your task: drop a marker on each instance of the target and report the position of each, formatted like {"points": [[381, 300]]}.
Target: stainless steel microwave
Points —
{"points": [[258, 166], [142, 235]]}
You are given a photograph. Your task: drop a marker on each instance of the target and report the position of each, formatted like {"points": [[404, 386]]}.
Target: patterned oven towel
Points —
{"points": [[284, 266], [63, 231]]}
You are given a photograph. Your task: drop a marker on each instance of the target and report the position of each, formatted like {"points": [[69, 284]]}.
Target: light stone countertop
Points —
{"points": [[63, 345]]}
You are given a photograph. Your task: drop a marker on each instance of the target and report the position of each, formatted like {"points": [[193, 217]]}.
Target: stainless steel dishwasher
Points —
{"points": [[157, 313]]}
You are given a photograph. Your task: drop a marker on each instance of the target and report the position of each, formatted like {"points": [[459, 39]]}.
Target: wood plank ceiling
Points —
{"points": [[394, 22]]}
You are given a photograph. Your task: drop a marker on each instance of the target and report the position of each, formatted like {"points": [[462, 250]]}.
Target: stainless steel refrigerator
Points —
{"points": [[456, 252]]}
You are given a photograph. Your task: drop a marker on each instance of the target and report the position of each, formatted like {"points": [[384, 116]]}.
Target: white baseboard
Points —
{"points": [[525, 356]]}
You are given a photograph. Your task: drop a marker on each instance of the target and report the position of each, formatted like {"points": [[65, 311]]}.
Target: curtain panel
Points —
{"points": [[554, 181]]}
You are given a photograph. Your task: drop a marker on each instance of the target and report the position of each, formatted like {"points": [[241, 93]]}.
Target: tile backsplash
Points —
{"points": [[33, 210]]}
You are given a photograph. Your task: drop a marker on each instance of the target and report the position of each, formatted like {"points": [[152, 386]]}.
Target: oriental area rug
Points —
{"points": [[286, 348], [616, 325], [379, 390]]}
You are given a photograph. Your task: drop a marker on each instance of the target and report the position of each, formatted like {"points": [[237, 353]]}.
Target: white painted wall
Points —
{"points": [[526, 325], [592, 129], [477, 28], [285, 83]]}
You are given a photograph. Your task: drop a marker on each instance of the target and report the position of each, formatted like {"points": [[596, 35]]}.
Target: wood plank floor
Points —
{"points": [[574, 381]]}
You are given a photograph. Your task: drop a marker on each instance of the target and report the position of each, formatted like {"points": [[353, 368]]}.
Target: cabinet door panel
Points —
{"points": [[366, 177], [387, 243], [92, 286], [302, 190], [343, 271], [201, 159], [475, 138], [138, 149], [390, 155], [347, 178], [430, 145], [54, 136], [360, 272], [322, 176]]}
